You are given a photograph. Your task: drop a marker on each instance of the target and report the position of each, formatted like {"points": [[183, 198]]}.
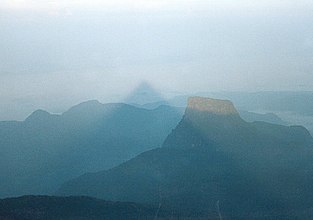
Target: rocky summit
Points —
{"points": [[214, 106]]}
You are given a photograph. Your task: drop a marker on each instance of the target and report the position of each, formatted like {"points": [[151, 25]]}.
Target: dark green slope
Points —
{"points": [[80, 207], [214, 158], [40, 153]]}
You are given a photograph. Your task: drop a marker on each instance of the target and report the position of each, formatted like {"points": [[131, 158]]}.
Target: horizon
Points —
{"points": [[17, 111], [142, 95], [70, 51]]}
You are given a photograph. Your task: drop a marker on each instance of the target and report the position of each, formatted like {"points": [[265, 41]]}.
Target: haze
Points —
{"points": [[54, 54]]}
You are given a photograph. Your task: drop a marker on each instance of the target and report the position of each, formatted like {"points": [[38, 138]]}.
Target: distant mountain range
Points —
{"points": [[217, 165], [40, 153], [292, 107], [45, 150]]}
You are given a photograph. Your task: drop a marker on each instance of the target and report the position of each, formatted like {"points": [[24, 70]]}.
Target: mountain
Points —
{"points": [[51, 207], [40, 153], [217, 165], [144, 93], [293, 107]]}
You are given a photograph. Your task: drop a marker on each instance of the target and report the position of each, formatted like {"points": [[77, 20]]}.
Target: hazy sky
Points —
{"points": [[54, 54]]}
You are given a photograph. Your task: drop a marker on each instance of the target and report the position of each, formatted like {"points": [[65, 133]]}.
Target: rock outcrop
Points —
{"points": [[213, 106]]}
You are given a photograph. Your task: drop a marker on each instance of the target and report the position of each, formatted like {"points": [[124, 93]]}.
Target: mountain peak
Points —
{"points": [[213, 106], [144, 93], [86, 106], [38, 115]]}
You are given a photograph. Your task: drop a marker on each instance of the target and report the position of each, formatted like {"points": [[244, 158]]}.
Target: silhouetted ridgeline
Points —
{"points": [[45, 150], [214, 158], [40, 153]]}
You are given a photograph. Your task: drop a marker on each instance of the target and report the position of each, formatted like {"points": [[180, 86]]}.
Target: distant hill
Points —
{"points": [[217, 165], [40, 153], [50, 207], [267, 117]]}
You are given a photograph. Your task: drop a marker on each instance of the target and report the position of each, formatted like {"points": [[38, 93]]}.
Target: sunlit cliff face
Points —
{"points": [[214, 106]]}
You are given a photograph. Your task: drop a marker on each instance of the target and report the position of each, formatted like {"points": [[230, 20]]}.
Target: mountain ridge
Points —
{"points": [[45, 150], [252, 169]]}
